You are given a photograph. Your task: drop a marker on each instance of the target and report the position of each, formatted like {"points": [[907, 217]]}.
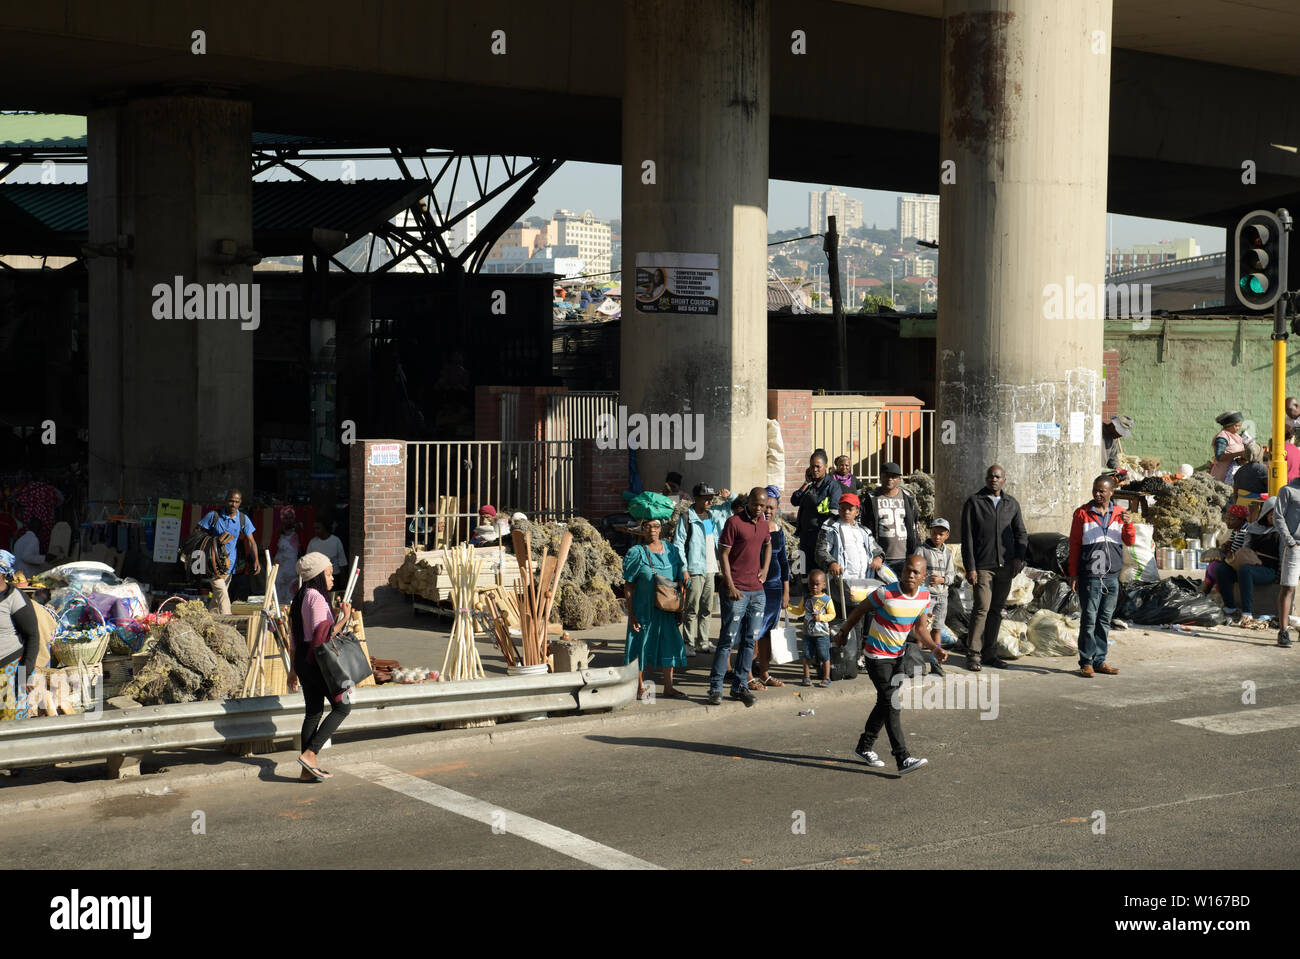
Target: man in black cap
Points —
{"points": [[696, 539], [890, 513], [1116, 428]]}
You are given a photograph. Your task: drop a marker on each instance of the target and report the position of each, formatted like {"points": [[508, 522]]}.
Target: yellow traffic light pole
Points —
{"points": [[1277, 445]]}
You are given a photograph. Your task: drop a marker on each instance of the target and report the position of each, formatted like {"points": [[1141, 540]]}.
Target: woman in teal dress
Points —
{"points": [[653, 636]]}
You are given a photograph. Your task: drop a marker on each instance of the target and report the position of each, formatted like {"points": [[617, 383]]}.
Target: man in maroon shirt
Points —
{"points": [[746, 548]]}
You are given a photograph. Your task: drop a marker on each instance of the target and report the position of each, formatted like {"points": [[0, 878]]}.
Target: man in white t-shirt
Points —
{"points": [[330, 546]]}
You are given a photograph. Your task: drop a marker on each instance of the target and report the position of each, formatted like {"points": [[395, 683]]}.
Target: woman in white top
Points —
{"points": [[286, 557], [27, 549], [330, 546]]}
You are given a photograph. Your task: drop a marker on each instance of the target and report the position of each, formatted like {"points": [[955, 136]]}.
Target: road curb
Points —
{"points": [[662, 712]]}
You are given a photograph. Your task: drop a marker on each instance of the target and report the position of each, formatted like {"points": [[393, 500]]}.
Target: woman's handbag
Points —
{"points": [[1245, 557], [667, 596], [343, 664]]}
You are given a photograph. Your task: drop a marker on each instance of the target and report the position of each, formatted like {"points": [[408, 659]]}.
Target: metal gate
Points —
{"points": [[447, 483], [575, 416], [872, 437]]}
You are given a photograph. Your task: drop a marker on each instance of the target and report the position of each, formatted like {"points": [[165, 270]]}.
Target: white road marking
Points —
{"points": [[1248, 719], [534, 830]]}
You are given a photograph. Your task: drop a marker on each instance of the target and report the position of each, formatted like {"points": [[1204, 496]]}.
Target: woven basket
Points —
{"points": [[81, 649]]}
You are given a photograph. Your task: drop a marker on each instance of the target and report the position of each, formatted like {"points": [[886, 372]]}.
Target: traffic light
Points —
{"points": [[1259, 254]]}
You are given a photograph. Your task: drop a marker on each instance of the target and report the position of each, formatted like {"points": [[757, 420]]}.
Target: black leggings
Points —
{"points": [[315, 732]]}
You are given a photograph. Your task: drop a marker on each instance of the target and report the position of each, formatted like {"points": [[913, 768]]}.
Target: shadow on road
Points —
{"points": [[744, 752]]}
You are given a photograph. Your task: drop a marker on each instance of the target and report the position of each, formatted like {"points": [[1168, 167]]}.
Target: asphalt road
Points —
{"points": [[766, 788]]}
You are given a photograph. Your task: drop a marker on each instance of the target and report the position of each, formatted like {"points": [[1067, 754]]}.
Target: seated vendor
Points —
{"points": [[27, 549]]}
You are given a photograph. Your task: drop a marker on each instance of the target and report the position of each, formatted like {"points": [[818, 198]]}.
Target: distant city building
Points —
{"points": [[562, 261], [592, 237], [914, 265], [1151, 254], [824, 203], [918, 218], [519, 237], [457, 237]]}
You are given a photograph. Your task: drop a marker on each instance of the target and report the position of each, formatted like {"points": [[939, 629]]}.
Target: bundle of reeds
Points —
{"points": [[536, 595], [462, 659]]}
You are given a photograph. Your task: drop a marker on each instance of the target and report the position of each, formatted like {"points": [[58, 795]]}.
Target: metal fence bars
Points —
{"points": [[448, 481], [52, 739], [871, 437]]}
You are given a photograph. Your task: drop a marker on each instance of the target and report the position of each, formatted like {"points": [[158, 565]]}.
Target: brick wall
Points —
{"points": [[378, 517], [604, 477], [793, 410], [1110, 359]]}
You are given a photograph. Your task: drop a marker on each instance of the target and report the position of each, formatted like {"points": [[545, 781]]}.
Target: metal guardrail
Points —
{"points": [[51, 739], [872, 437], [1171, 266]]}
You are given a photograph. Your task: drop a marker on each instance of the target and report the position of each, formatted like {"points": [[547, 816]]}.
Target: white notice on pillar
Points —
{"points": [[1026, 437], [1096, 429], [677, 283], [1076, 426]]}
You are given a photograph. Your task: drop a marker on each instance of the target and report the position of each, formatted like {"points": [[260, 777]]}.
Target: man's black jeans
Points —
{"points": [[885, 714]]}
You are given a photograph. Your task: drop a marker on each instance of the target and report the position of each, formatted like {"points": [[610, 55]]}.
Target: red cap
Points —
{"points": [[851, 499]]}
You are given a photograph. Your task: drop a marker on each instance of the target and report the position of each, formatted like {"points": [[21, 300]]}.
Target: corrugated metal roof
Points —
{"points": [[278, 206], [51, 132]]}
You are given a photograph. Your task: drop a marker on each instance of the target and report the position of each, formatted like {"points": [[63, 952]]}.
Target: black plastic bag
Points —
{"points": [[1055, 595], [961, 600], [1174, 600], [1049, 551]]}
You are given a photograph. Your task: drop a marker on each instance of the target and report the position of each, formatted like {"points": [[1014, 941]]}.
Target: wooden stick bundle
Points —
{"points": [[462, 660], [536, 598]]}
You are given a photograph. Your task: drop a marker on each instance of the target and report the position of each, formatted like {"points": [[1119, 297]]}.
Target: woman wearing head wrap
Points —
{"points": [[1229, 447], [777, 594], [653, 636], [1236, 520], [313, 624], [19, 641]]}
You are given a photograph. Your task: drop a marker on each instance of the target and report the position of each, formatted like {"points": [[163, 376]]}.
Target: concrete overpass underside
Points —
{"points": [[1058, 113]]}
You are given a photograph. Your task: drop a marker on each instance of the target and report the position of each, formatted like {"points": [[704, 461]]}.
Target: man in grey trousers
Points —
{"points": [[994, 543]]}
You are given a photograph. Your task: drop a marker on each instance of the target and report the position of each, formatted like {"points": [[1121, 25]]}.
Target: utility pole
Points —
{"points": [[832, 248], [1277, 444]]}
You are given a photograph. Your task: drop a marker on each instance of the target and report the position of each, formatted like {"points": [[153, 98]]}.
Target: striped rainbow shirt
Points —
{"points": [[894, 614]]}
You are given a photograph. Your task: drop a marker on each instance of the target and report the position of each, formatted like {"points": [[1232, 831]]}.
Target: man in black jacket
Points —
{"points": [[889, 511], [994, 542], [817, 500]]}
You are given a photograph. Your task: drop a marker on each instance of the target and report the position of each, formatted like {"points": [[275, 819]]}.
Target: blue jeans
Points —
{"points": [[1248, 576], [1097, 598], [741, 618]]}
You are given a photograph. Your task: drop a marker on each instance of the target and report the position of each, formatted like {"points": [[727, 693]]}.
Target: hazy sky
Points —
{"points": [[596, 187]]}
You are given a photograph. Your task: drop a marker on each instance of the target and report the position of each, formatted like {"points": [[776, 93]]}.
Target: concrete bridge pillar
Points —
{"points": [[171, 399], [695, 159], [1024, 124]]}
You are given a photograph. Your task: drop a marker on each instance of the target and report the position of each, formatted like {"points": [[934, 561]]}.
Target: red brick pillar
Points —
{"points": [[377, 527], [487, 413], [793, 410]]}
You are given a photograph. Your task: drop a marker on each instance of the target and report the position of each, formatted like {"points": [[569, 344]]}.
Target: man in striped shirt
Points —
{"points": [[897, 611]]}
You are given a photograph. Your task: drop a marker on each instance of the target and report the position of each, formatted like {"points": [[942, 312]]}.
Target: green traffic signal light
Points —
{"points": [[1255, 283]]}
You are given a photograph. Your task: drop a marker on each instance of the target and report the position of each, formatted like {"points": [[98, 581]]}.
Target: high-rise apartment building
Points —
{"points": [[918, 218], [589, 235], [824, 203]]}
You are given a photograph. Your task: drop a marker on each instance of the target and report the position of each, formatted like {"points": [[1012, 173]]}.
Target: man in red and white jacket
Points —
{"points": [[1098, 535]]}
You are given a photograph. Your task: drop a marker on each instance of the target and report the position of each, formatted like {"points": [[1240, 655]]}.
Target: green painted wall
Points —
{"points": [[1179, 374]]}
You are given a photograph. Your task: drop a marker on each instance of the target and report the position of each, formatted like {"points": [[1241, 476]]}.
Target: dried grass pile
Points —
{"points": [[195, 658], [1191, 507], [590, 577], [921, 486]]}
